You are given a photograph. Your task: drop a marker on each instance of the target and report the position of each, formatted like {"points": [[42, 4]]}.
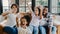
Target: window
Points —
{"points": [[5, 5], [55, 6], [58, 8], [23, 5], [42, 2]]}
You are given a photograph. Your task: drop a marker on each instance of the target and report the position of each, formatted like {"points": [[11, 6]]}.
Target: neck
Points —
{"points": [[14, 12], [23, 27], [36, 14]]}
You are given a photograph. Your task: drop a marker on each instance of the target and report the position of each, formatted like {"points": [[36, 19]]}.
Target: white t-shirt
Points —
{"points": [[24, 31], [42, 22], [11, 20], [35, 20]]}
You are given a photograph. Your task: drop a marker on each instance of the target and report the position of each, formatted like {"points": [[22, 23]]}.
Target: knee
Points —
{"points": [[10, 30], [54, 28], [41, 28]]}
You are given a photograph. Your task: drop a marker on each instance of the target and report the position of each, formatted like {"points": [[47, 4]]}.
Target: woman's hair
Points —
{"points": [[28, 19], [15, 6]]}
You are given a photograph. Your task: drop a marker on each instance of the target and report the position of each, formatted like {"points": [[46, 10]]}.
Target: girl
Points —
{"points": [[23, 29], [11, 16], [35, 19], [46, 22]]}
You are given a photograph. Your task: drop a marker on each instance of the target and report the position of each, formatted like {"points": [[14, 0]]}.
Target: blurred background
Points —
{"points": [[53, 7], [54, 4]]}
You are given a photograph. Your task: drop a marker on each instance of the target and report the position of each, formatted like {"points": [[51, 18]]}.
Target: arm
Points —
{"points": [[29, 7], [4, 14], [50, 29], [41, 11], [7, 12], [50, 24], [17, 23], [19, 15]]}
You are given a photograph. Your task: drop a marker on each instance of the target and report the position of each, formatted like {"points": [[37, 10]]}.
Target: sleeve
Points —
{"points": [[18, 19], [50, 21], [32, 14]]}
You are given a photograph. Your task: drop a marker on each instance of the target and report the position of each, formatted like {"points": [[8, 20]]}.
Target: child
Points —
{"points": [[46, 22], [35, 19], [23, 29]]}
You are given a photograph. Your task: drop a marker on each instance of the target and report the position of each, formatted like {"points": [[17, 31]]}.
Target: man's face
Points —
{"points": [[45, 10]]}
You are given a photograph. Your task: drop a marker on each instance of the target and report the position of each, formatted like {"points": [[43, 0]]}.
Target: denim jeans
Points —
{"points": [[34, 29], [10, 30], [53, 30], [44, 30]]}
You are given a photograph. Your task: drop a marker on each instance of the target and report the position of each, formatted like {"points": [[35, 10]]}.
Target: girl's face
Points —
{"points": [[36, 11], [46, 10], [24, 22], [14, 8]]}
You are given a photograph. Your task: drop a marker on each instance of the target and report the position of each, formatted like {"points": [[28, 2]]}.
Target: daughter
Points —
{"points": [[23, 29], [35, 19]]}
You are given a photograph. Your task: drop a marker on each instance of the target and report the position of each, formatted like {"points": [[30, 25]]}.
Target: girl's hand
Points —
{"points": [[41, 7]]}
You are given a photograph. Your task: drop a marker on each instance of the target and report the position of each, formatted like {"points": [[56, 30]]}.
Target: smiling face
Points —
{"points": [[36, 11], [45, 10], [23, 22], [14, 8]]}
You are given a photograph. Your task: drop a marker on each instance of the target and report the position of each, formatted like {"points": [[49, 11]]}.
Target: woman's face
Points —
{"points": [[36, 11], [14, 8]]}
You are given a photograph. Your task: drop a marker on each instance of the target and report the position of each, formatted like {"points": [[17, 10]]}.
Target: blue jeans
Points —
{"points": [[10, 30], [43, 30], [53, 30], [34, 29]]}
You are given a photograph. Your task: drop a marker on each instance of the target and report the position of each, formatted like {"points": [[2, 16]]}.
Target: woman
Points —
{"points": [[11, 16]]}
